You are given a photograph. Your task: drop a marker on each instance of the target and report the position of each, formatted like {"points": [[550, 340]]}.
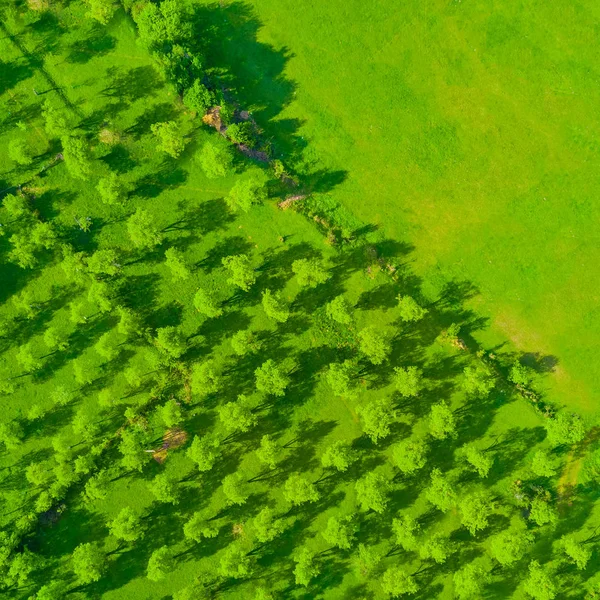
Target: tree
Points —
{"points": [[480, 461], [246, 193], [235, 489], [310, 272], [206, 378], [410, 311], [104, 262], [215, 160], [170, 413], [112, 189], [441, 421], [520, 375], [142, 231], [204, 452], [198, 97], [235, 562], [475, 510], [565, 428], [164, 489], [171, 341], [176, 263], [298, 490], [340, 532], [23, 251], [99, 293], [159, 564], [436, 547], [26, 359], [206, 304], [377, 417], [56, 120], [374, 344], [241, 271], [107, 345], [339, 310], [268, 452], [55, 590], [371, 492], [161, 25], [408, 381], [406, 529], [270, 379], [440, 492], [366, 560], [16, 206], [396, 582], [169, 137], [197, 528], [245, 342], [541, 513], [55, 340], [538, 584], [43, 235], [469, 581], [576, 551], [102, 10], [410, 455], [238, 415], [133, 443], [340, 377], [95, 487], [274, 307], [306, 567], [242, 133], [541, 464], [267, 526], [339, 456], [130, 323], [76, 153], [37, 474], [478, 380], [88, 563], [510, 545], [20, 152], [126, 525]]}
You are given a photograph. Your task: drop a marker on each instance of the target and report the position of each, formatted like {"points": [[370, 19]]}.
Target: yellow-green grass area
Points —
{"points": [[469, 130]]}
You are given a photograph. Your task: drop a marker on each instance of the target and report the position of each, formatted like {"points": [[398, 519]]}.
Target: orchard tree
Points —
{"points": [[171, 341], [236, 562], [298, 490], [267, 526], [475, 510], [235, 489], [406, 530], [269, 452], [441, 421], [270, 379], [480, 461], [339, 456], [241, 271], [169, 137], [164, 489], [408, 381], [478, 380], [510, 545], [377, 417], [126, 526], [204, 451], [436, 547], [215, 160], [88, 563], [374, 345], [275, 308], [306, 567], [112, 190], [197, 528], [245, 193], [142, 230], [575, 551], [372, 492], [470, 581], [539, 584], [206, 304], [565, 429], [340, 532], [339, 310], [410, 311], [410, 456], [397, 582], [340, 377], [237, 416], [310, 272], [160, 564], [245, 342], [176, 263], [440, 492]]}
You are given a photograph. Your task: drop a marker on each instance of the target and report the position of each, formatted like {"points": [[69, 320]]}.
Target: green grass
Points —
{"points": [[106, 80], [467, 130]]}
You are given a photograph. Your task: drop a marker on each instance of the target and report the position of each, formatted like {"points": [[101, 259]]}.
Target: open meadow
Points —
{"points": [[241, 352]]}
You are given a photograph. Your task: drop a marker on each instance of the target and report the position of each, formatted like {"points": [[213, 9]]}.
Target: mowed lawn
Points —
{"points": [[469, 130]]}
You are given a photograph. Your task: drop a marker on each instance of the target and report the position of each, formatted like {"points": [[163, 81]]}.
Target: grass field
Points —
{"points": [[468, 130], [372, 128]]}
